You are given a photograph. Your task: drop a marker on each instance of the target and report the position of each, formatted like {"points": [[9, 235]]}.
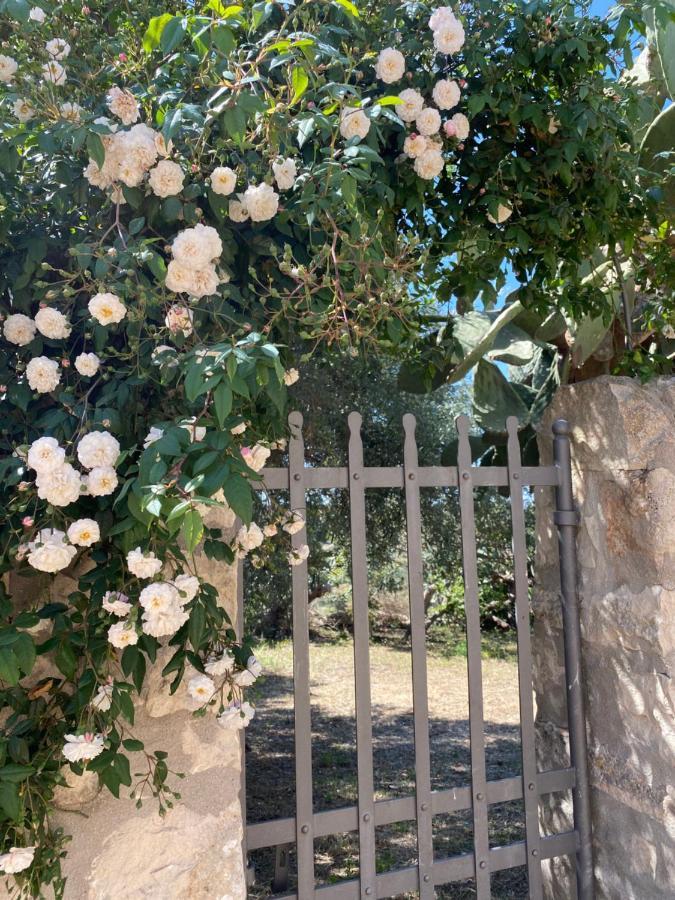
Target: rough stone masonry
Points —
{"points": [[623, 453]]}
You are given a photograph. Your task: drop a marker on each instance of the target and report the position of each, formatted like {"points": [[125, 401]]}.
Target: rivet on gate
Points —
{"points": [[530, 786], [535, 853], [368, 891], [465, 476], [296, 477], [424, 807], [305, 829], [427, 878], [516, 476], [480, 796], [411, 476], [482, 864], [366, 817], [356, 476]]}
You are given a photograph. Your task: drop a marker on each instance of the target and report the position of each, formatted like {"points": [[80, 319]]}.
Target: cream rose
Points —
{"points": [[428, 121], [285, 173], [8, 67], [84, 532], [87, 364], [102, 481], [261, 201], [98, 448], [223, 180], [123, 104], [19, 329], [52, 324], [446, 94], [390, 65], [411, 105], [43, 374], [354, 123], [166, 179], [107, 308]]}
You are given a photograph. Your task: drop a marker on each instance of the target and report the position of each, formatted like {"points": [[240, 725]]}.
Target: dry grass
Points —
{"points": [[271, 769]]}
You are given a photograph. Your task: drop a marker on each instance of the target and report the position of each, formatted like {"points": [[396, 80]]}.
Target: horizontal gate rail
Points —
{"points": [[300, 831], [402, 809]]}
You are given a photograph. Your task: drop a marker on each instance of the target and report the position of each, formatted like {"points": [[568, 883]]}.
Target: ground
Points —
{"points": [[270, 785]]}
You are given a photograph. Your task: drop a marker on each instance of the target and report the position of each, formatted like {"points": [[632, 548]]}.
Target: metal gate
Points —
{"points": [[309, 823]]}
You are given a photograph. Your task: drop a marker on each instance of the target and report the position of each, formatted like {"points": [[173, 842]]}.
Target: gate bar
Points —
{"points": [[566, 519], [527, 737], [481, 842], [364, 722], [304, 811], [425, 846]]}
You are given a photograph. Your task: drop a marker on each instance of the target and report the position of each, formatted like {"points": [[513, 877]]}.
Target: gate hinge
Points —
{"points": [[567, 517]]}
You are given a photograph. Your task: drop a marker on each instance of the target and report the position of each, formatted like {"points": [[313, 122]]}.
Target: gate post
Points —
{"points": [[566, 520]]}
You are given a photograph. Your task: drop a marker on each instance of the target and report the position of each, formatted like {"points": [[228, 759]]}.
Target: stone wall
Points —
{"points": [[623, 454], [194, 852]]}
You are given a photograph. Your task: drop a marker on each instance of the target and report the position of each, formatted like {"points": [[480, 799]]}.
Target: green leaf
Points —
{"points": [[24, 651], [9, 667], [10, 802], [222, 402], [65, 660], [299, 83], [239, 495], [15, 773], [197, 626], [494, 399], [95, 148], [173, 34], [349, 7], [154, 31], [192, 529], [132, 745], [224, 39]]}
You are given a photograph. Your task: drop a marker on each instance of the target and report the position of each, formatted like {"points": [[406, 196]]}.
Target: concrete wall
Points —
{"points": [[624, 470], [195, 851]]}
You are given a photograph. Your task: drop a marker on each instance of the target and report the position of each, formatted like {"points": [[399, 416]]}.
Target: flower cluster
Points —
{"points": [[193, 268], [221, 689]]}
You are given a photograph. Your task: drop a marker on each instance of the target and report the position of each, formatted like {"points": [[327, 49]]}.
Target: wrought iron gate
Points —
{"points": [[309, 824]]}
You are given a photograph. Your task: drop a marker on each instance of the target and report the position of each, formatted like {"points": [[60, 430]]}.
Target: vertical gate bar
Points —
{"points": [[239, 631], [566, 520], [302, 703], [425, 846], [481, 841], [527, 736], [280, 880], [364, 722]]}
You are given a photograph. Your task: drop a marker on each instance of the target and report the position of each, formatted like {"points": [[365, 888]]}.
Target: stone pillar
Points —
{"points": [[623, 449], [194, 852]]}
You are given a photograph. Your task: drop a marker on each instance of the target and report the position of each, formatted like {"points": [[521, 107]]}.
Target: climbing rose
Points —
{"points": [[428, 121], [87, 364], [72, 112], [54, 73], [237, 210], [291, 376], [8, 67], [107, 308], [179, 320], [52, 324], [299, 555], [122, 635], [158, 597], [45, 454], [102, 700], [57, 48], [197, 247], [446, 94], [59, 486], [37, 15], [429, 164], [223, 180], [23, 110], [390, 65], [84, 532], [222, 665], [19, 329], [201, 688], [123, 104], [117, 603], [98, 448], [415, 145], [411, 105], [166, 179], [16, 859], [457, 127], [50, 553], [143, 566], [262, 202], [82, 747], [354, 123], [188, 585], [236, 715], [249, 538], [43, 374], [102, 481], [285, 173]]}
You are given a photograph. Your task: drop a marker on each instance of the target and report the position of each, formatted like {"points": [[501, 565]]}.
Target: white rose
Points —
{"points": [[179, 277], [98, 448], [107, 308], [244, 678], [57, 48], [218, 666], [50, 552], [52, 324], [188, 585], [449, 38], [390, 65], [299, 555], [17, 859], [411, 105], [19, 329], [503, 213], [354, 123], [87, 364], [166, 623], [201, 688], [123, 104], [237, 210], [102, 700], [430, 164], [236, 715], [122, 635], [102, 481], [291, 376], [117, 603], [84, 532], [223, 180], [143, 565], [415, 145], [82, 747], [45, 454], [458, 127], [166, 179], [179, 320], [444, 15], [285, 173], [446, 94], [130, 172], [22, 110], [270, 530], [59, 486], [197, 247], [37, 15], [261, 201], [8, 67], [256, 457], [159, 597], [204, 282], [428, 121], [43, 374], [54, 73], [249, 538], [295, 524], [72, 112]]}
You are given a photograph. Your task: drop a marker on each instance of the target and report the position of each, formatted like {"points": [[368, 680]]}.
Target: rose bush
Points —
{"points": [[187, 198]]}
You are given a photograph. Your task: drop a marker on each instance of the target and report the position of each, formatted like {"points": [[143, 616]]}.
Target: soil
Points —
{"points": [[270, 766]]}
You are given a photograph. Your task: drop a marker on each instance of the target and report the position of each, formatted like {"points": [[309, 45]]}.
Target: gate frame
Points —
{"points": [[307, 825]]}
